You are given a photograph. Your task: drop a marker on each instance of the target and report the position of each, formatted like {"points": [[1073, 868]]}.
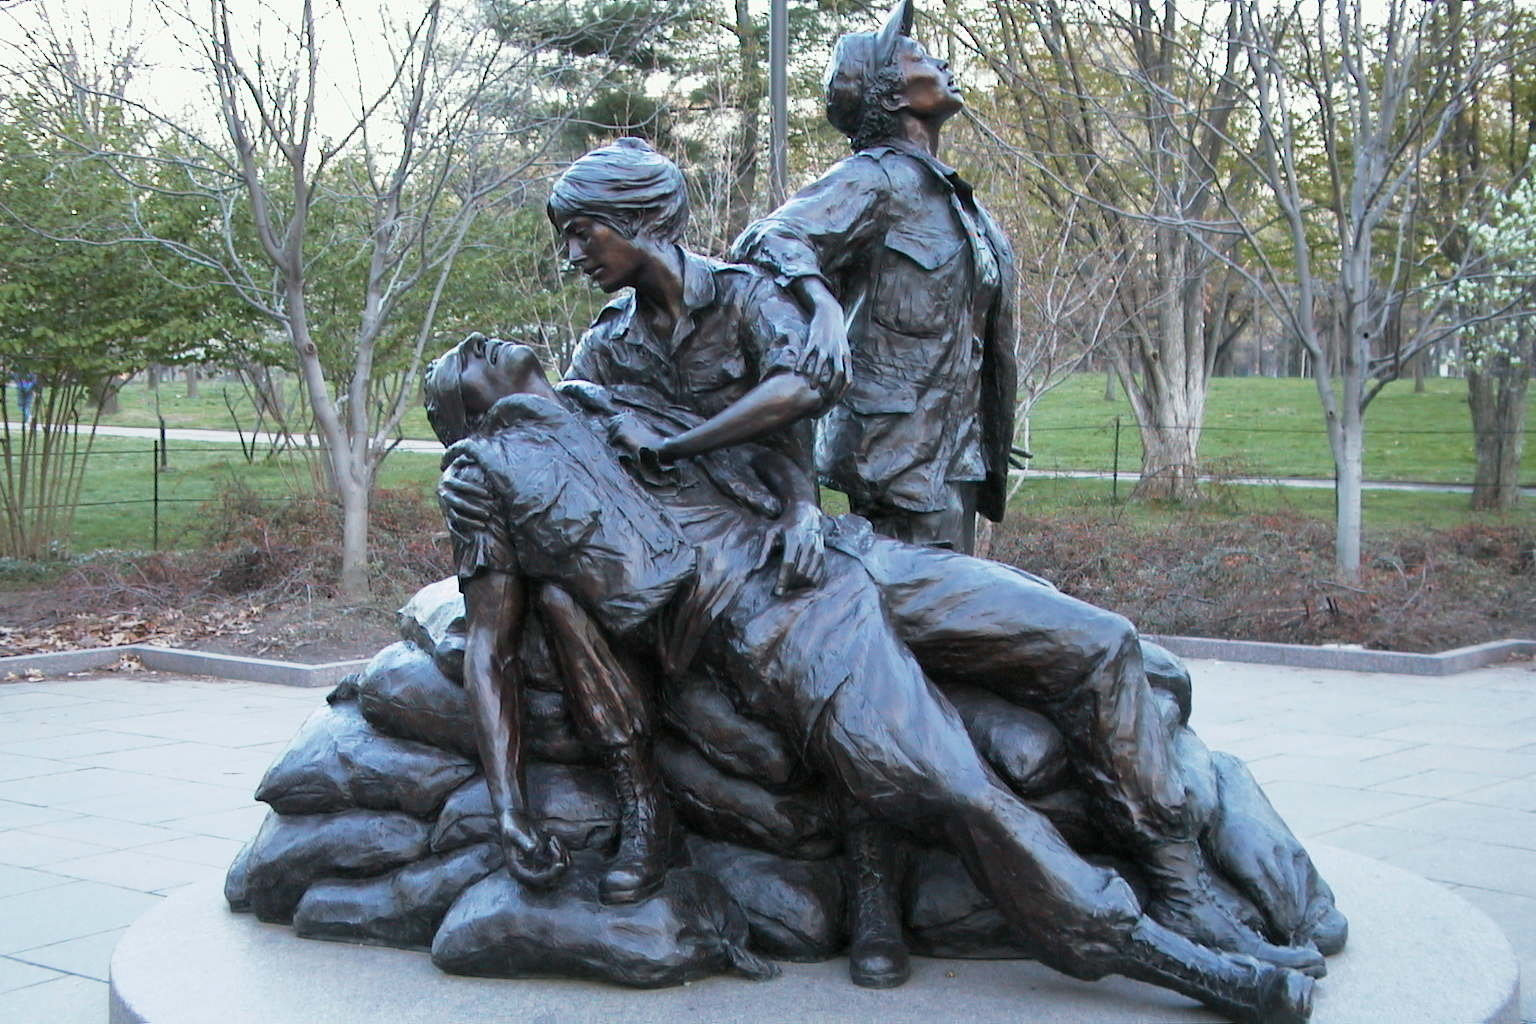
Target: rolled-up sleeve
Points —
{"points": [[779, 327], [822, 228]]}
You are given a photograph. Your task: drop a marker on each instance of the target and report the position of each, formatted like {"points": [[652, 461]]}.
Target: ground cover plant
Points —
{"points": [[250, 574], [1270, 577]]}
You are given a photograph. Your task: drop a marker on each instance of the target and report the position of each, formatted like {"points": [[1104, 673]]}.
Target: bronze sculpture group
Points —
{"points": [[776, 697]]}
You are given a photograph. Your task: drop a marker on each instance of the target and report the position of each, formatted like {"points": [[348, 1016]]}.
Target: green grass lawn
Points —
{"points": [[1044, 495], [142, 406], [1254, 426], [117, 509], [1268, 427], [117, 497]]}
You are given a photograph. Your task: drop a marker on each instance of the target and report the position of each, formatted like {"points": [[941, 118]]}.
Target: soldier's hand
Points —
{"points": [[638, 442], [534, 857], [467, 506], [796, 535]]}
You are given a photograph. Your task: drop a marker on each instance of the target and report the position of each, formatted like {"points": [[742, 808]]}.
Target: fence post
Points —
{"points": [[1114, 486], [158, 453], [165, 453]]}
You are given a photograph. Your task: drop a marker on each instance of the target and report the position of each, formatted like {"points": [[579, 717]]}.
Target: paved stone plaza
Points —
{"points": [[116, 790]]}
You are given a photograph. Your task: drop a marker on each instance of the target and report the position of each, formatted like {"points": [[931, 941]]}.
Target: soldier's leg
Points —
{"points": [[952, 527], [901, 751], [974, 621], [612, 713]]}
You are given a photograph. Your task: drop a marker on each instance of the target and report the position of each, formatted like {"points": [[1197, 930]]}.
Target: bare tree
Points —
{"points": [[1126, 107], [1346, 114], [390, 191]]}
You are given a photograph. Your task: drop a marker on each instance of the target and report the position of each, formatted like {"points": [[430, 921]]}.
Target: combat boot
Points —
{"points": [[1248, 991], [645, 828], [877, 949]]}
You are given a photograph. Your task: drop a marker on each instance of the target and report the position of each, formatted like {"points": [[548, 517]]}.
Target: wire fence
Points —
{"points": [[1403, 456], [146, 496], [138, 496]]}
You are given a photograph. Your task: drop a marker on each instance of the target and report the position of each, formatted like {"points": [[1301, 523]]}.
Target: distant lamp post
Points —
{"points": [[778, 98]]}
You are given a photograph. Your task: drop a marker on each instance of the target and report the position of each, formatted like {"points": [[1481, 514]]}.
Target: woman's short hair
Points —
{"points": [[626, 185]]}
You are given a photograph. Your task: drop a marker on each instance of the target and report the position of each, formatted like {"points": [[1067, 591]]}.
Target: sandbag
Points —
{"points": [[948, 916], [433, 620], [576, 804], [502, 929], [1167, 672], [400, 909], [1022, 746], [1245, 838], [725, 807], [291, 852], [548, 732], [237, 881], [735, 744], [338, 762], [403, 693], [794, 908]]}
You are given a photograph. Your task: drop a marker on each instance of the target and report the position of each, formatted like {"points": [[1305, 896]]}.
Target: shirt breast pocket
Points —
{"points": [[920, 272]]}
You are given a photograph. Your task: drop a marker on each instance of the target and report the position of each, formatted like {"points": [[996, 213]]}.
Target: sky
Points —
{"points": [[164, 39]]}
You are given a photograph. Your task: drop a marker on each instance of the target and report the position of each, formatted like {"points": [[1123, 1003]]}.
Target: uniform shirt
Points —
{"points": [[566, 513], [666, 555], [739, 328], [925, 279]]}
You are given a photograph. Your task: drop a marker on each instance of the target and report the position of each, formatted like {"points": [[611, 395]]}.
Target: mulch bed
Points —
{"points": [[1271, 577], [264, 583]]}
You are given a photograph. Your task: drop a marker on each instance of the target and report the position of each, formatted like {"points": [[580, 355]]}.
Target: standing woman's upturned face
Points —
{"points": [[603, 254], [929, 89]]}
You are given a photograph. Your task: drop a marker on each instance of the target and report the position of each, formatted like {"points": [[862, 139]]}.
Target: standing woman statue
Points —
{"points": [[910, 285]]}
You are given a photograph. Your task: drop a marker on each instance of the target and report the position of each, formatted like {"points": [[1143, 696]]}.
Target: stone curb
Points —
{"points": [[1349, 659], [193, 663], [292, 673]]}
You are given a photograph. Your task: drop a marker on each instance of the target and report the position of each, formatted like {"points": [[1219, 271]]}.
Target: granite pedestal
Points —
{"points": [[1417, 955]]}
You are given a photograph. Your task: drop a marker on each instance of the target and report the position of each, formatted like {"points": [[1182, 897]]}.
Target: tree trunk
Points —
{"points": [[752, 74], [1349, 473], [1496, 391], [153, 377], [353, 582], [104, 395], [1175, 372], [1109, 384], [192, 376], [1169, 463]]}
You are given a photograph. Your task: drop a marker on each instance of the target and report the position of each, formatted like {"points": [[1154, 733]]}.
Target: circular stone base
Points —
{"points": [[1417, 955]]}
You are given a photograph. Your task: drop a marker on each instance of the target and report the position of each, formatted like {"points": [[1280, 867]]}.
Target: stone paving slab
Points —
{"points": [[1382, 765]]}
